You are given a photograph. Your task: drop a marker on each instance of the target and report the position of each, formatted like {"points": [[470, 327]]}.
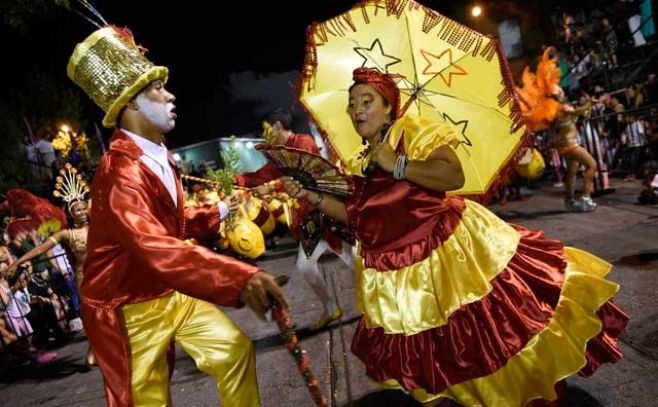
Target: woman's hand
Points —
{"points": [[293, 187], [384, 155], [263, 190]]}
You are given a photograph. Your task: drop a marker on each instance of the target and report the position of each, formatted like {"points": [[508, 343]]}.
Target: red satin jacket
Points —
{"points": [[135, 252]]}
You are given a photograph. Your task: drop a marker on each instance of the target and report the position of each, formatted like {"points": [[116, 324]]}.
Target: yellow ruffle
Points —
{"points": [[558, 351], [423, 295], [421, 137]]}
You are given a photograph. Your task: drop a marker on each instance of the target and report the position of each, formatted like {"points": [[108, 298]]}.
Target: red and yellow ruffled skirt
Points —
{"points": [[484, 312]]}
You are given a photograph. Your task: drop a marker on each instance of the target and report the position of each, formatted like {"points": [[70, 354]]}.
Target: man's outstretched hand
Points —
{"points": [[256, 293]]}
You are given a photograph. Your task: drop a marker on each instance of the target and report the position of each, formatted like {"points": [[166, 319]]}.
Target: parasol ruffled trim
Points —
{"points": [[507, 96]]}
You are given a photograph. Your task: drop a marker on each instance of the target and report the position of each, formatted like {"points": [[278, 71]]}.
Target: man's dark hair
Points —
{"points": [[279, 115]]}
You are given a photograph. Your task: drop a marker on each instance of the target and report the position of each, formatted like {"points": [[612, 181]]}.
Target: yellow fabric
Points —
{"points": [[253, 207], [275, 204], [420, 137], [558, 351], [268, 227], [423, 295], [111, 88], [216, 344], [455, 72]]}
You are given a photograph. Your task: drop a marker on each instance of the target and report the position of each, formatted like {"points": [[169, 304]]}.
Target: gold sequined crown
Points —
{"points": [[112, 69], [70, 186]]}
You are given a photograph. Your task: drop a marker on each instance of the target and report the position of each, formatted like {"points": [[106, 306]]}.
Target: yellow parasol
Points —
{"points": [[449, 72]]}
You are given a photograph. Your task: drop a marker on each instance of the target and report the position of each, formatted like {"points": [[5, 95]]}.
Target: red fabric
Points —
{"points": [[262, 217], [266, 173], [269, 172], [603, 348], [480, 337], [428, 219], [23, 225], [561, 391], [135, 253], [335, 242], [22, 203], [302, 142], [278, 211]]}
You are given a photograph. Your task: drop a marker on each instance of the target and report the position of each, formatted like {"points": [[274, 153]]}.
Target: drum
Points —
{"points": [[275, 206], [246, 238], [222, 241], [260, 215], [531, 166]]}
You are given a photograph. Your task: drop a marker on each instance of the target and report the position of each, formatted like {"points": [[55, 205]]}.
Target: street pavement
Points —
{"points": [[620, 231]]}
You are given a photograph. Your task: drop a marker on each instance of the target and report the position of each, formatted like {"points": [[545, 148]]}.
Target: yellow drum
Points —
{"points": [[531, 166], [222, 241], [275, 206], [246, 238], [260, 215]]}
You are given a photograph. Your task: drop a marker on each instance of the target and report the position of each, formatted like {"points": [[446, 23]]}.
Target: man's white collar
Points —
{"points": [[157, 152]]}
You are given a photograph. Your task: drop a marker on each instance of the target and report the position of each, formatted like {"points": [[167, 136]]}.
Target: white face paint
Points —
{"points": [[159, 114]]}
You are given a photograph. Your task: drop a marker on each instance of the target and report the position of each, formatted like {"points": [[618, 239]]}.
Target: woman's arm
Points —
{"points": [[3, 295], [6, 255], [441, 171], [328, 205], [325, 203], [574, 112], [48, 244]]}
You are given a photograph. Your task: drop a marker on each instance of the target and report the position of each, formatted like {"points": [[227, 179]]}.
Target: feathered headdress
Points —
{"points": [[22, 225], [30, 212], [538, 104], [21, 203], [71, 187]]}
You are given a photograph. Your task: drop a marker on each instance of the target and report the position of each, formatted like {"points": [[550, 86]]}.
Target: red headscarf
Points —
{"points": [[383, 83]]}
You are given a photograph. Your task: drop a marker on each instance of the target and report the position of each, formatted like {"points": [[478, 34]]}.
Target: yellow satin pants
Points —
{"points": [[215, 343]]}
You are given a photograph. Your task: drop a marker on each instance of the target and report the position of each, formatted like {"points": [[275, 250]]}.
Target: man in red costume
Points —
{"points": [[316, 234], [143, 286]]}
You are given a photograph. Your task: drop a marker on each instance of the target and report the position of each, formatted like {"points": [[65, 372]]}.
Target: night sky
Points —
{"points": [[186, 36]]}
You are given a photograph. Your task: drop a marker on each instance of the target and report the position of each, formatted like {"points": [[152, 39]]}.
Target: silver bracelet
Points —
{"points": [[400, 167], [319, 201]]}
